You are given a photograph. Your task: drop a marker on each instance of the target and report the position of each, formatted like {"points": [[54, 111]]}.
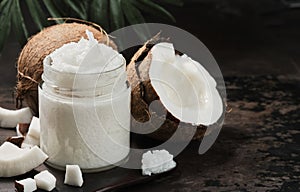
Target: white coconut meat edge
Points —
{"points": [[16, 161], [11, 118], [184, 86]]}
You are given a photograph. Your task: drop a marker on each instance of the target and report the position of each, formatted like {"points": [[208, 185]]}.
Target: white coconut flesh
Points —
{"points": [[25, 185], [45, 180], [32, 138], [16, 161], [11, 118], [73, 176], [157, 161], [184, 86]]}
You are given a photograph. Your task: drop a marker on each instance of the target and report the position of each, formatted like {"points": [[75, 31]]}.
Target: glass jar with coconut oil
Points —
{"points": [[84, 109]]}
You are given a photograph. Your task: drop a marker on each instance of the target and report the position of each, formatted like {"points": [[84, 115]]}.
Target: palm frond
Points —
{"points": [[5, 21], [18, 23], [37, 13], [110, 14]]}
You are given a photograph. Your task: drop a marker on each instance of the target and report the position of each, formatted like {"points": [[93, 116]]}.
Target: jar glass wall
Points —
{"points": [[85, 118]]}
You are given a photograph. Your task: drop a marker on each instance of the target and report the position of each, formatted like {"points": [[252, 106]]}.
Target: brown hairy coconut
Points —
{"points": [[144, 91], [30, 62]]}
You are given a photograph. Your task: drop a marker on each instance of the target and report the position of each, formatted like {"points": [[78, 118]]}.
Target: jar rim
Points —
{"points": [[68, 80]]}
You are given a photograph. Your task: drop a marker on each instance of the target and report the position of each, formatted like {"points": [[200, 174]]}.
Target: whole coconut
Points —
{"points": [[30, 62], [143, 94]]}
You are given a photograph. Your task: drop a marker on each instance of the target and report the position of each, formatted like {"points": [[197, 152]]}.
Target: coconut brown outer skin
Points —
{"points": [[143, 94], [30, 62]]}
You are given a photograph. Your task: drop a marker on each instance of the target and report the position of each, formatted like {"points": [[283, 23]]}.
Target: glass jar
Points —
{"points": [[85, 118]]}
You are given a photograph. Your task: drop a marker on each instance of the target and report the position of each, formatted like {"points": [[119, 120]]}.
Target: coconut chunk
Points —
{"points": [[33, 136], [184, 86], [157, 161], [34, 128], [25, 185], [11, 118], [73, 176], [45, 180], [16, 161]]}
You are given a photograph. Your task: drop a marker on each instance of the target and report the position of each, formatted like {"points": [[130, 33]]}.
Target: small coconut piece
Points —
{"points": [[157, 161], [33, 136], [73, 176], [45, 180], [182, 86], [25, 185], [16, 161], [11, 118], [34, 128], [22, 129], [17, 140]]}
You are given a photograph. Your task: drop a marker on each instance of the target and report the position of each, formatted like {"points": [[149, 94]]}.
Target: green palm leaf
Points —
{"points": [[154, 9], [18, 23], [5, 24], [99, 13], [134, 16], [110, 14], [37, 13], [116, 15], [53, 10], [78, 7]]}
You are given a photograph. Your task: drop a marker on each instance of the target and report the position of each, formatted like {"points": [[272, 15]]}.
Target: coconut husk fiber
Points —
{"points": [[30, 62]]}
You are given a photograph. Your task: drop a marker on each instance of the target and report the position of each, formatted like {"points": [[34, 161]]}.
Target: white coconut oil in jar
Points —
{"points": [[84, 107]]}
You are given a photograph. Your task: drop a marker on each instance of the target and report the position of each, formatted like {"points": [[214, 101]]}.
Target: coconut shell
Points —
{"points": [[30, 62]]}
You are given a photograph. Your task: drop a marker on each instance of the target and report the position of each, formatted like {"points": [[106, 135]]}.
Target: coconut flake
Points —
{"points": [[157, 161], [11, 118], [184, 86], [34, 128], [45, 180], [25, 185], [16, 161], [33, 136], [73, 176]]}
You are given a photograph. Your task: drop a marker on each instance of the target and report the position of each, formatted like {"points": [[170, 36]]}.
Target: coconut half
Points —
{"points": [[16, 161], [182, 85]]}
